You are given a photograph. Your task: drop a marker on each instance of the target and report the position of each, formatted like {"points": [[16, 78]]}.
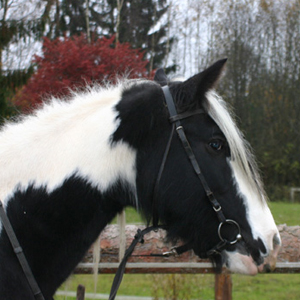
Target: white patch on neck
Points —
{"points": [[63, 139]]}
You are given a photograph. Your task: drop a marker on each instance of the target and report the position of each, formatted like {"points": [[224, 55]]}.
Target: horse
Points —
{"points": [[72, 165]]}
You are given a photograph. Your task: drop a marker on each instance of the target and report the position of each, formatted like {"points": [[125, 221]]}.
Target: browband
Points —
{"points": [[174, 116]]}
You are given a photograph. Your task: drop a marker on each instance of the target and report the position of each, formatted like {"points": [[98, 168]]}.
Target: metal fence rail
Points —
{"points": [[172, 268]]}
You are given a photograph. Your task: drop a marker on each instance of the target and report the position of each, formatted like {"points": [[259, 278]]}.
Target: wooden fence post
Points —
{"points": [[80, 292], [223, 287]]}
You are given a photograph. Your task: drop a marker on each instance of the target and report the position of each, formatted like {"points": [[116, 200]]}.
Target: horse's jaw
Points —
{"points": [[242, 264]]}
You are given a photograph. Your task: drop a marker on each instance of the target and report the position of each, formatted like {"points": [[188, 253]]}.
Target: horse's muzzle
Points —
{"points": [[270, 262]]}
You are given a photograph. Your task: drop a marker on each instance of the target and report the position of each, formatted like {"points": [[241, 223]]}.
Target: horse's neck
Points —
{"points": [[61, 140], [65, 139], [56, 229], [62, 181]]}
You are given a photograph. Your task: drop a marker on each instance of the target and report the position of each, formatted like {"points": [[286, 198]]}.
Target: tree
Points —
{"points": [[19, 27], [72, 62], [261, 41], [139, 23], [139, 26]]}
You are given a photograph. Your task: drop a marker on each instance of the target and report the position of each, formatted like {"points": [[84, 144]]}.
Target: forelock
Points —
{"points": [[241, 152]]}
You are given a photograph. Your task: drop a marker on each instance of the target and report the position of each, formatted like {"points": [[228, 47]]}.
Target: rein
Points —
{"points": [[20, 255]]}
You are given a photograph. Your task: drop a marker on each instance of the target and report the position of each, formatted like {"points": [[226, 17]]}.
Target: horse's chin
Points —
{"points": [[242, 264]]}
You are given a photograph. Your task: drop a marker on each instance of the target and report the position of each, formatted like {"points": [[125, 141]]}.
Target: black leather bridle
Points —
{"points": [[217, 249], [175, 121]]}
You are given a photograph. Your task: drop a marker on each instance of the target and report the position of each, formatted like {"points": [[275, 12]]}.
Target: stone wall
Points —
{"points": [[155, 243]]}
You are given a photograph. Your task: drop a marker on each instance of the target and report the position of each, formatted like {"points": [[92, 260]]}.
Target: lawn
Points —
{"points": [[263, 287], [286, 213]]}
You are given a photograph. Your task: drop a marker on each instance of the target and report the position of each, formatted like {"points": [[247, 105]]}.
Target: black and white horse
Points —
{"points": [[71, 166]]}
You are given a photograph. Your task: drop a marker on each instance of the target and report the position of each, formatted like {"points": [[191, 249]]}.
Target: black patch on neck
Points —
{"points": [[141, 111], [55, 230]]}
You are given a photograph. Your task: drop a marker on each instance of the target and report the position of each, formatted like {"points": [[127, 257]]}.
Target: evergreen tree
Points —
{"points": [[14, 27], [137, 20]]}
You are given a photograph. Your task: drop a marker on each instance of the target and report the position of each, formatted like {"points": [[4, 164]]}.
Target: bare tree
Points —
{"points": [[119, 8]]}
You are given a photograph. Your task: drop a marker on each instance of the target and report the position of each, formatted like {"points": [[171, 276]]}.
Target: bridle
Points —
{"points": [[174, 119], [224, 243]]}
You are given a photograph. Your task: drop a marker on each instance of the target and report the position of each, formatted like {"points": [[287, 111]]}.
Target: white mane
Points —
{"points": [[241, 154]]}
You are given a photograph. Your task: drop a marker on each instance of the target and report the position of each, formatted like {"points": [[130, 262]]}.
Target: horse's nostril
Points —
{"points": [[276, 240], [270, 261], [276, 245], [267, 268]]}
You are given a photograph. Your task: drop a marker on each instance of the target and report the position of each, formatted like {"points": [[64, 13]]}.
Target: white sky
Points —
{"points": [[190, 25]]}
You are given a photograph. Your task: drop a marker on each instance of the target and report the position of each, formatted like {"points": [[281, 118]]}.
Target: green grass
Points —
{"points": [[266, 287], [132, 217], [286, 213], [262, 287], [185, 287]]}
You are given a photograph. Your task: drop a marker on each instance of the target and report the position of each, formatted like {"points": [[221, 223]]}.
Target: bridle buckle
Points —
{"points": [[216, 209], [172, 252]]}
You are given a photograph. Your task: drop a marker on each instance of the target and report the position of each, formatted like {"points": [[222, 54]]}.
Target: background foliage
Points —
{"points": [[261, 39], [73, 63], [262, 43]]}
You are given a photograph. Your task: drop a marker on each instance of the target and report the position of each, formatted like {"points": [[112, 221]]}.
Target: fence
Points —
{"points": [[188, 263], [293, 190]]}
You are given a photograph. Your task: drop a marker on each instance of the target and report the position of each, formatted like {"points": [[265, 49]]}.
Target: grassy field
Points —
{"points": [[262, 287], [286, 213]]}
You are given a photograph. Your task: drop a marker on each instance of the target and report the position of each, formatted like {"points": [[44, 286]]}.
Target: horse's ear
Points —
{"points": [[161, 77], [201, 83]]}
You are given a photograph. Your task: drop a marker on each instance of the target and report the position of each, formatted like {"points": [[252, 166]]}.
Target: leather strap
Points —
{"points": [[155, 217], [139, 238], [20, 255], [174, 117]]}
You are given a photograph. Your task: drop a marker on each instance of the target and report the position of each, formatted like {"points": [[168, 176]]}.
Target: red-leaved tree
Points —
{"points": [[73, 62]]}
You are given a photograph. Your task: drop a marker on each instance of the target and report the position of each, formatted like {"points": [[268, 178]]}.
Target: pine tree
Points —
{"points": [[137, 19], [137, 22], [14, 27]]}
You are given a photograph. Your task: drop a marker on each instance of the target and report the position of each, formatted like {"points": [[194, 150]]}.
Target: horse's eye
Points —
{"points": [[216, 145]]}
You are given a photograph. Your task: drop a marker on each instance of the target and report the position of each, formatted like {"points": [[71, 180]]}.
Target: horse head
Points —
{"points": [[174, 195]]}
